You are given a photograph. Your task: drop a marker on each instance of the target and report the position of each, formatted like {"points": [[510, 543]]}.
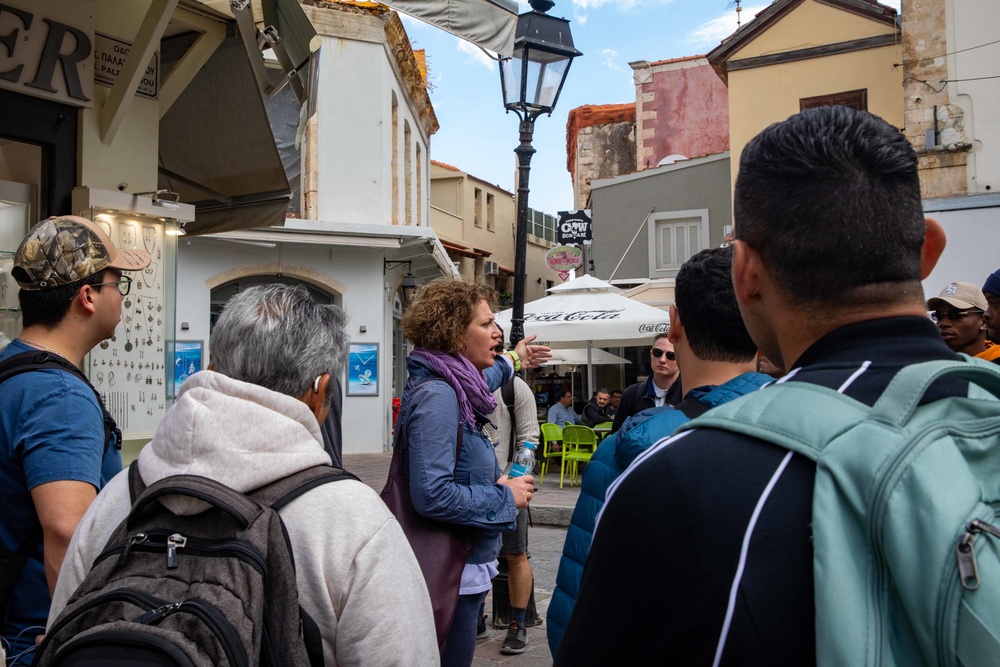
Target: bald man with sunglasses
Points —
{"points": [[662, 387]]}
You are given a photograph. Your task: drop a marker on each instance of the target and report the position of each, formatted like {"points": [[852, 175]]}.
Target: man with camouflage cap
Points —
{"points": [[58, 445]]}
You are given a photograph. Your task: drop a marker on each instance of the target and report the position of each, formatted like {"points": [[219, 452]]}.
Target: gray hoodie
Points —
{"points": [[357, 576]]}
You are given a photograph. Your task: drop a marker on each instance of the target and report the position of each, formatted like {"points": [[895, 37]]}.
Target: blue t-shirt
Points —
{"points": [[51, 429]]}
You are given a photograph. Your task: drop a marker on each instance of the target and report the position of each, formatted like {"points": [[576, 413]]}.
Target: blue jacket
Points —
{"points": [[616, 453], [466, 493]]}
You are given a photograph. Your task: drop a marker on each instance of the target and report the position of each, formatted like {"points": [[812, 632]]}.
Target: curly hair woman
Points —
{"points": [[453, 371]]}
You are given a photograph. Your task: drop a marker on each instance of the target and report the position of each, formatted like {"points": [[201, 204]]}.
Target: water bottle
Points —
{"points": [[524, 461]]}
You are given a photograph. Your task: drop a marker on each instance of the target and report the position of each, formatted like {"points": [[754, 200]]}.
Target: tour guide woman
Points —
{"points": [[451, 326]]}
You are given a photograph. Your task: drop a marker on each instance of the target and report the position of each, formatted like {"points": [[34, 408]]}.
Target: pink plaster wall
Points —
{"points": [[682, 110]]}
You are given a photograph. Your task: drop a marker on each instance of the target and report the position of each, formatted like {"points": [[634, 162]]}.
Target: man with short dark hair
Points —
{"points": [[717, 357], [616, 399], [960, 315], [57, 447], [596, 410], [662, 387], [706, 539], [562, 413]]}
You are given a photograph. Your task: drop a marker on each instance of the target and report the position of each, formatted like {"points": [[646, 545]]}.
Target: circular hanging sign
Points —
{"points": [[564, 258]]}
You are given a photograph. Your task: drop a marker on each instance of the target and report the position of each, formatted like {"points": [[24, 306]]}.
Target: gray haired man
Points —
{"points": [[253, 418]]}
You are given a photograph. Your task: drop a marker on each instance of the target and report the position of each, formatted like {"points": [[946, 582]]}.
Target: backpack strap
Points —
{"points": [[765, 415], [239, 506], [38, 360], [908, 386], [507, 392], [279, 493]]}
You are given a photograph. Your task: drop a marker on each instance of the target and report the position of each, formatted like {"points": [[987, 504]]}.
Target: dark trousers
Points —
{"points": [[460, 647]]}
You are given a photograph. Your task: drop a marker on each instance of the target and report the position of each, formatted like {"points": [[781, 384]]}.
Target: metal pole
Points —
{"points": [[524, 151]]}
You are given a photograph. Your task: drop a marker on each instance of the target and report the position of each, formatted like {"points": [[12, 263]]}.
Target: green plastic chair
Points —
{"points": [[579, 444], [603, 425], [551, 434]]}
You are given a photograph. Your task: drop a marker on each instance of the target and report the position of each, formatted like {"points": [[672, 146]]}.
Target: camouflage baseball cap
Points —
{"points": [[67, 249]]}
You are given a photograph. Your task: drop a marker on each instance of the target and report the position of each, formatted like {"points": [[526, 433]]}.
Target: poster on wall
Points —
{"points": [[362, 369], [187, 360]]}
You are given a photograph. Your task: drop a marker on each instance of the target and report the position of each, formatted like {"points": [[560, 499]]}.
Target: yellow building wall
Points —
{"points": [[759, 96], [812, 24]]}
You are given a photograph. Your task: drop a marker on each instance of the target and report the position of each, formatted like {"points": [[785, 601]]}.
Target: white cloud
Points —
{"points": [[609, 58], [580, 18], [710, 33], [617, 4], [476, 53]]}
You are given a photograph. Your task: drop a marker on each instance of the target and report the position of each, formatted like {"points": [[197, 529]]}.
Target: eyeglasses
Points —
{"points": [[954, 315], [124, 284], [657, 352]]}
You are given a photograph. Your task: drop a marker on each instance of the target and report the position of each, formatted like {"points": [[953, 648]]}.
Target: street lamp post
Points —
{"points": [[531, 80]]}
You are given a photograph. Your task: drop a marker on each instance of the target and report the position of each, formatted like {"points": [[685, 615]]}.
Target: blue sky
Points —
{"points": [[478, 137]]}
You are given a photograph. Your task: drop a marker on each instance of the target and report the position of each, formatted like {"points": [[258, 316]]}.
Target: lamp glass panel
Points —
{"points": [[544, 75]]}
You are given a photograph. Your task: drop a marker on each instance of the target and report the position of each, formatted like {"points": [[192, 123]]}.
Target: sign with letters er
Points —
{"points": [[574, 227]]}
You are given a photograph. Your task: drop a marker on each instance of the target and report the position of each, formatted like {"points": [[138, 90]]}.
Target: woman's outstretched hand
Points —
{"points": [[532, 356]]}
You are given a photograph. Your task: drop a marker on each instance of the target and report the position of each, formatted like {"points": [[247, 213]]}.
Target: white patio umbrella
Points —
{"points": [[598, 357], [588, 312]]}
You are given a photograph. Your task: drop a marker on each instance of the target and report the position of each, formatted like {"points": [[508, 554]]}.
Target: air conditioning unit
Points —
{"points": [[491, 268]]}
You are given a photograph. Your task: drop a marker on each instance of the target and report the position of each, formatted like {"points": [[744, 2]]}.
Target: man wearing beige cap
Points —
{"points": [[58, 445], [959, 312]]}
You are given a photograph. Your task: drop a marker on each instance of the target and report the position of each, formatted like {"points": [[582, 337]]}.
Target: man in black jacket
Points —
{"points": [[596, 410], [662, 387], [705, 540]]}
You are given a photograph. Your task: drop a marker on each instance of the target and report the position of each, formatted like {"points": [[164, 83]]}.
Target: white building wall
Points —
{"points": [[972, 29], [973, 249], [354, 108], [202, 260]]}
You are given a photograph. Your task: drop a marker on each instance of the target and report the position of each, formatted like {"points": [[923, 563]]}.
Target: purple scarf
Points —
{"points": [[469, 384]]}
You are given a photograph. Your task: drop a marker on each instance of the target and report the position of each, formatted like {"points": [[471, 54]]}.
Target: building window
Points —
{"points": [[394, 163], [407, 174], [673, 238], [420, 186], [489, 212], [542, 225], [853, 99], [477, 204]]}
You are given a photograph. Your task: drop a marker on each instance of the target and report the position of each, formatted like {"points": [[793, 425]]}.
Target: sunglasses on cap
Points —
{"points": [[657, 352]]}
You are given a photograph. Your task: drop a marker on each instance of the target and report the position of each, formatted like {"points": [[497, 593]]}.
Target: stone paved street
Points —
{"points": [[550, 505]]}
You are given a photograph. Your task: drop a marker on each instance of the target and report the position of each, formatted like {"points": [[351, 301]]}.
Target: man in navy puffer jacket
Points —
{"points": [[717, 361]]}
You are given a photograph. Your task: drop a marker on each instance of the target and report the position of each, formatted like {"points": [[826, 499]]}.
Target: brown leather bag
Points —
{"points": [[441, 548]]}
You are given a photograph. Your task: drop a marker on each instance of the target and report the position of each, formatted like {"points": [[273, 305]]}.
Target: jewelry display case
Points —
{"points": [[130, 370]]}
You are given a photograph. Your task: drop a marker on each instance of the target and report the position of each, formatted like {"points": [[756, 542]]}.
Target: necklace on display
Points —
{"points": [[40, 346]]}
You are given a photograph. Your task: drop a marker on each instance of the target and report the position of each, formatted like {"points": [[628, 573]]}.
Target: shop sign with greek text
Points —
{"points": [[109, 59]]}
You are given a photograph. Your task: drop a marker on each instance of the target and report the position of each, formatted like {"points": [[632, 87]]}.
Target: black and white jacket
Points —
{"points": [[702, 554]]}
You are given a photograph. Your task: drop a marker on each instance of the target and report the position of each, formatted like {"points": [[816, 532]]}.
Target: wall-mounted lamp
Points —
{"points": [[165, 198], [409, 282], [178, 231]]}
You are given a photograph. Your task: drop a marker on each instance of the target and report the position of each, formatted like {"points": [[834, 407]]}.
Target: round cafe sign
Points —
{"points": [[564, 258]]}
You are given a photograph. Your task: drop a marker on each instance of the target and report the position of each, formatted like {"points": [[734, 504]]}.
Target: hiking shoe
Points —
{"points": [[515, 641], [481, 630]]}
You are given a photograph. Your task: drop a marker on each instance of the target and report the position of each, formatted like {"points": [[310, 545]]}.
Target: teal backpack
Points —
{"points": [[904, 516]]}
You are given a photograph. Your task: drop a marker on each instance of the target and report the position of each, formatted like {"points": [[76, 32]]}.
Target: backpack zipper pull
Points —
{"points": [[965, 551], [138, 538], [154, 615], [174, 542]]}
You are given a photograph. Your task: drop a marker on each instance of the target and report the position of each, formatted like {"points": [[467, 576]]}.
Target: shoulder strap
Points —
{"points": [[507, 392], [279, 493], [765, 414], [38, 360]]}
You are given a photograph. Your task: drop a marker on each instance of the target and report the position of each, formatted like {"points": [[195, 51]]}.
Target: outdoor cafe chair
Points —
{"points": [[603, 429], [579, 444], [552, 434]]}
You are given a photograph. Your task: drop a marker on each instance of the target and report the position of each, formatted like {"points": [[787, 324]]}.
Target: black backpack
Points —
{"points": [[214, 588], [12, 562]]}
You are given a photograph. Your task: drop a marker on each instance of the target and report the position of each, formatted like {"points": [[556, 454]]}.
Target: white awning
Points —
{"points": [[489, 24]]}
